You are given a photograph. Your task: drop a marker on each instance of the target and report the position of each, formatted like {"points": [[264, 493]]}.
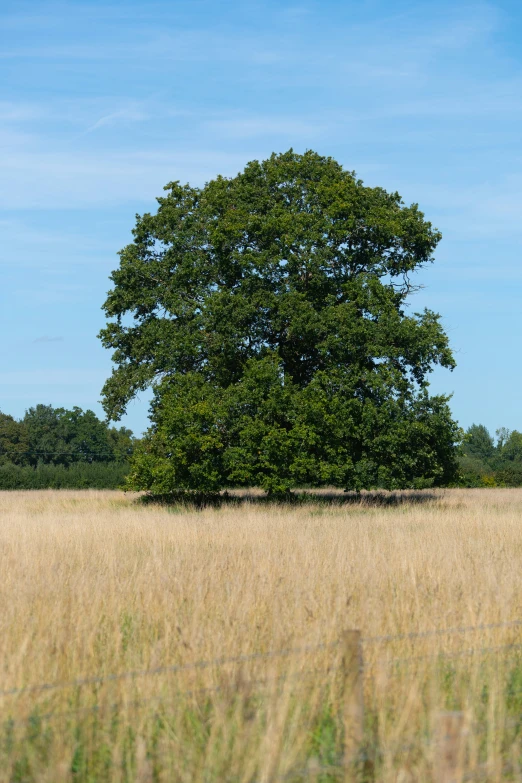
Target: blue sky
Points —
{"points": [[103, 103]]}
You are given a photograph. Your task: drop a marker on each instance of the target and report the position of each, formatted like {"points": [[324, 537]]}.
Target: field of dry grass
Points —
{"points": [[107, 604]]}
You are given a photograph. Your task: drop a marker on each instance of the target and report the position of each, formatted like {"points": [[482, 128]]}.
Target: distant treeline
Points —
{"points": [[491, 462], [73, 449], [62, 449]]}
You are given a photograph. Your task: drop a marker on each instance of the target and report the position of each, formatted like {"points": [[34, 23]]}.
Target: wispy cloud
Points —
{"points": [[106, 102], [121, 116]]}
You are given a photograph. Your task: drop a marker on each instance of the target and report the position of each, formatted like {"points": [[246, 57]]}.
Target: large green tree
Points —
{"points": [[269, 314]]}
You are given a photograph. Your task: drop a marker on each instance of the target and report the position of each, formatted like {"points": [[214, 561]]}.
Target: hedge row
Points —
{"points": [[81, 475]]}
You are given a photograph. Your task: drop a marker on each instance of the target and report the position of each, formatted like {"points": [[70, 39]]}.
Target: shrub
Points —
{"points": [[79, 475]]}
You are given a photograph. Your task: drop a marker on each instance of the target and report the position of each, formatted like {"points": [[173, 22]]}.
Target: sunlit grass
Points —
{"points": [[94, 584]]}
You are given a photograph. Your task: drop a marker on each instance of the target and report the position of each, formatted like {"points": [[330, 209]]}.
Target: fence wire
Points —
{"points": [[442, 654], [194, 665], [163, 700], [223, 661], [313, 771], [440, 632]]}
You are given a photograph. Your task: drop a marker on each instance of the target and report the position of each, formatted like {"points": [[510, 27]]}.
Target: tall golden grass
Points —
{"points": [[108, 603]]}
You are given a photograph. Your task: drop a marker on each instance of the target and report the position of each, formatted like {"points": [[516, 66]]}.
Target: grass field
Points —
{"points": [[106, 604]]}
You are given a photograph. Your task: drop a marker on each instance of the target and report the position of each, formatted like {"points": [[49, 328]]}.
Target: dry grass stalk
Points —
{"points": [[94, 584]]}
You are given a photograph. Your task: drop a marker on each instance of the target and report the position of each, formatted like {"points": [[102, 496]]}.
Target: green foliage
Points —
{"points": [[510, 449], [14, 441], [479, 443], [269, 317], [62, 449], [269, 433], [61, 437], [509, 476], [484, 463], [79, 475]]}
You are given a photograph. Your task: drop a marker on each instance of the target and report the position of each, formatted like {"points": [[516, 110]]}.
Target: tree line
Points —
{"points": [[488, 461], [60, 448], [67, 449]]}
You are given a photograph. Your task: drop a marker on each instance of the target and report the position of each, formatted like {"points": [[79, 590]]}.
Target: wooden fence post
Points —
{"points": [[352, 700], [313, 770], [449, 747]]}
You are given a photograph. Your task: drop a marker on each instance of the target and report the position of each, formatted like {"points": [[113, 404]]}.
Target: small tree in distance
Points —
{"points": [[268, 313]]}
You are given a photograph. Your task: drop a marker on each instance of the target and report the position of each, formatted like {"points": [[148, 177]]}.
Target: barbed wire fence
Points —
{"points": [[447, 744]]}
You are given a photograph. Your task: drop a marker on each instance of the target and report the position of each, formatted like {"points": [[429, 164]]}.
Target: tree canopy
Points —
{"points": [[14, 441], [57, 436], [269, 314], [479, 442], [485, 462]]}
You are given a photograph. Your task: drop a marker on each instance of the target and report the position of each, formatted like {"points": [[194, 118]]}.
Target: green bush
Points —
{"points": [[510, 476], [474, 472]]}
